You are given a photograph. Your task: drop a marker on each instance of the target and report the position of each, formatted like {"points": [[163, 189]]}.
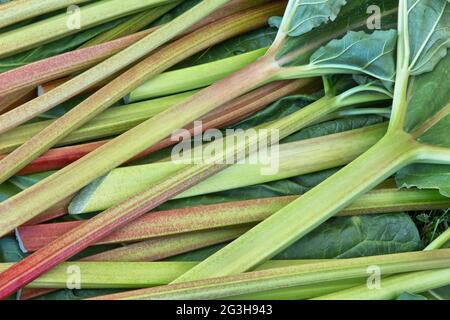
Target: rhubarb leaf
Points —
{"points": [[429, 41], [9, 250], [302, 16], [353, 16], [425, 176], [430, 90], [371, 54], [428, 109], [344, 237], [8, 190]]}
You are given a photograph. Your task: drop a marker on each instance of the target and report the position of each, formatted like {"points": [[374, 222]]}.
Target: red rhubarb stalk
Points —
{"points": [[153, 65], [177, 221], [34, 74], [228, 114]]}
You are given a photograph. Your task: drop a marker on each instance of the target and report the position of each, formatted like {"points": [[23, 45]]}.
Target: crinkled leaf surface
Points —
{"points": [[353, 16], [430, 40], [429, 95], [302, 16], [371, 54], [425, 176]]}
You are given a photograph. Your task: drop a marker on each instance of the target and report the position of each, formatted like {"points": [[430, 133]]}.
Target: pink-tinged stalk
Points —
{"points": [[228, 114], [103, 224], [154, 250], [115, 153], [291, 276], [153, 65], [169, 246], [111, 66], [178, 221], [31, 267], [37, 73]]}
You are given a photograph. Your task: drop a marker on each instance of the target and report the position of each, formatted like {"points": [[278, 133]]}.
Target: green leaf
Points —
{"points": [[302, 16], [27, 181], [425, 176], [430, 40], [344, 237], [427, 98], [7, 190], [371, 54], [9, 250], [441, 293], [353, 16]]}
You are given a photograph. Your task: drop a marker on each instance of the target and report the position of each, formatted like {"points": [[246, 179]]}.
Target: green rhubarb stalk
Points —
{"points": [[117, 275], [392, 287], [110, 66], [164, 223], [109, 123], [107, 157], [398, 148], [138, 139], [129, 275], [296, 158], [132, 25], [194, 77], [151, 66], [119, 120], [141, 177], [227, 114], [440, 241], [56, 27], [132, 142], [20, 10], [277, 278], [352, 180]]}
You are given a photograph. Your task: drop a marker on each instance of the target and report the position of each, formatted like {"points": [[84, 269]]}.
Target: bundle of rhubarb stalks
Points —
{"points": [[224, 149]]}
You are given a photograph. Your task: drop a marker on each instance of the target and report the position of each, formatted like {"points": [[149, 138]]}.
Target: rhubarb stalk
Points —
{"points": [[168, 222], [17, 11], [151, 66], [276, 278], [56, 27], [400, 146], [265, 69], [109, 67]]}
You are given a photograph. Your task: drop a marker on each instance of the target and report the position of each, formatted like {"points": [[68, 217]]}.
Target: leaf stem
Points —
{"points": [[227, 114], [110, 66], [276, 278], [164, 223], [151, 66], [309, 211], [400, 102]]}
